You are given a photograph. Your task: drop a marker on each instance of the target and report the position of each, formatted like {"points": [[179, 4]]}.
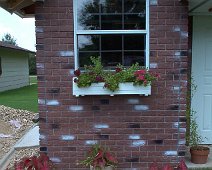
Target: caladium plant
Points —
{"points": [[99, 158], [40, 162], [181, 166]]}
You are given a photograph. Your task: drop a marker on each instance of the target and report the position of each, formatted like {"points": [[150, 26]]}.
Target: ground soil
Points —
{"points": [[24, 119]]}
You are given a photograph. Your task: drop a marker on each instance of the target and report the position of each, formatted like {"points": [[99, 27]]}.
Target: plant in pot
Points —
{"points": [[99, 158], [199, 153]]}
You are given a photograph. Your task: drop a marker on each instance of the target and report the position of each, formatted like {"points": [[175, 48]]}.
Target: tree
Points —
{"points": [[8, 38], [32, 65]]}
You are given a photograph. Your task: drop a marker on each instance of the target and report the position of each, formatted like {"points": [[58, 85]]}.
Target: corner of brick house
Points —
{"points": [[138, 129]]}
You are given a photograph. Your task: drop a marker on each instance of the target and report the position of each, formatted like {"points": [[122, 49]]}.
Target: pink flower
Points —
{"points": [[141, 77], [167, 167], [139, 72]]}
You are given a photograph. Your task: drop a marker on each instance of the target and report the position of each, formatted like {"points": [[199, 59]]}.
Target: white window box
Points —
{"points": [[98, 89]]}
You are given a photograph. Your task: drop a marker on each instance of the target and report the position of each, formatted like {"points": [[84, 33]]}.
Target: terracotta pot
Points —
{"points": [[106, 168], [199, 155]]}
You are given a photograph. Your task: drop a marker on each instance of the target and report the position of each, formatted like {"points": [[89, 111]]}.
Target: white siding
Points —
{"points": [[15, 70]]}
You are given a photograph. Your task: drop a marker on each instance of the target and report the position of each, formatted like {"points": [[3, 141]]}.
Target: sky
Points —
{"points": [[23, 30]]}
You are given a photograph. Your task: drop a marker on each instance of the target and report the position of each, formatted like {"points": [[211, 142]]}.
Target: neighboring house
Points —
{"points": [[14, 67], [155, 33]]}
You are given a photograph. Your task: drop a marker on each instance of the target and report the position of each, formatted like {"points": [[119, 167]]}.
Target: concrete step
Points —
{"points": [[30, 139]]}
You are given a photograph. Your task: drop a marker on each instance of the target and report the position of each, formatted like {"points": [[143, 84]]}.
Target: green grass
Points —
{"points": [[23, 98], [33, 79]]}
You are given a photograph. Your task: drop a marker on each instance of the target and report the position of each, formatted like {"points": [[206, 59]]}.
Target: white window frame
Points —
{"points": [[94, 32]]}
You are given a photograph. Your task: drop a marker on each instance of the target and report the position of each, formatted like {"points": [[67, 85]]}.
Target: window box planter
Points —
{"points": [[98, 89]]}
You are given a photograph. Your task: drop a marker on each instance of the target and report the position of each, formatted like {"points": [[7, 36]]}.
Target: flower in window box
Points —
{"points": [[95, 73]]}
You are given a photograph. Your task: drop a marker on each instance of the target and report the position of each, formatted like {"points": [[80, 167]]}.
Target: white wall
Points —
{"points": [[15, 69]]}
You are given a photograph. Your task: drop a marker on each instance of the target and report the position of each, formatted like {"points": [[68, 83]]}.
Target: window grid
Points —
{"points": [[105, 32]]}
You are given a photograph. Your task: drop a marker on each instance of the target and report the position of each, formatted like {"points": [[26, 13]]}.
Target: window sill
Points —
{"points": [[124, 89]]}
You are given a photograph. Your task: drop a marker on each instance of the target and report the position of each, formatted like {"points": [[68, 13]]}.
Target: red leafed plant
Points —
{"points": [[98, 157], [41, 162], [181, 166]]}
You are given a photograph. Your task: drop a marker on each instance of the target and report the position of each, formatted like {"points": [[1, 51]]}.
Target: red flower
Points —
{"points": [[77, 72], [118, 69], [154, 166], [99, 154], [99, 79], [182, 166], [167, 167], [145, 82], [110, 158]]}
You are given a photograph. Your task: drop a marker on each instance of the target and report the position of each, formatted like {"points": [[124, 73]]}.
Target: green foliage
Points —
{"points": [[194, 137], [95, 73], [32, 65], [8, 38]]}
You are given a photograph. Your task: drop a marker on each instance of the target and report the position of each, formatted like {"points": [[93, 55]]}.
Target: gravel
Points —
{"points": [[20, 154], [14, 124]]}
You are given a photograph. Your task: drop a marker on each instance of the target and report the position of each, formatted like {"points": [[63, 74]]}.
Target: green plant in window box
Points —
{"points": [[95, 73]]}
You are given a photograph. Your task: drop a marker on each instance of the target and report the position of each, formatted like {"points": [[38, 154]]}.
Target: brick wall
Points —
{"points": [[139, 130]]}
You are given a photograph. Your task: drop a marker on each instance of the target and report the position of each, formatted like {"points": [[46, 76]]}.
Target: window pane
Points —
{"points": [[111, 22], [111, 14], [111, 42], [88, 15], [134, 57], [134, 6], [88, 42], [88, 22], [113, 49], [84, 58], [134, 42], [134, 22], [111, 6], [87, 6], [111, 58]]}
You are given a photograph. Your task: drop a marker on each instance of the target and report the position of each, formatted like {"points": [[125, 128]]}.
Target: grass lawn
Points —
{"points": [[23, 98], [33, 79]]}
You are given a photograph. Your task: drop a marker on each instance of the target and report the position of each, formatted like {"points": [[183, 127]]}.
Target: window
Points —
{"points": [[115, 30], [0, 67]]}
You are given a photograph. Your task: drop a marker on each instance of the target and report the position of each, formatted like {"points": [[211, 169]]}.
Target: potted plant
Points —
{"points": [[98, 158], [199, 153], [95, 80]]}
